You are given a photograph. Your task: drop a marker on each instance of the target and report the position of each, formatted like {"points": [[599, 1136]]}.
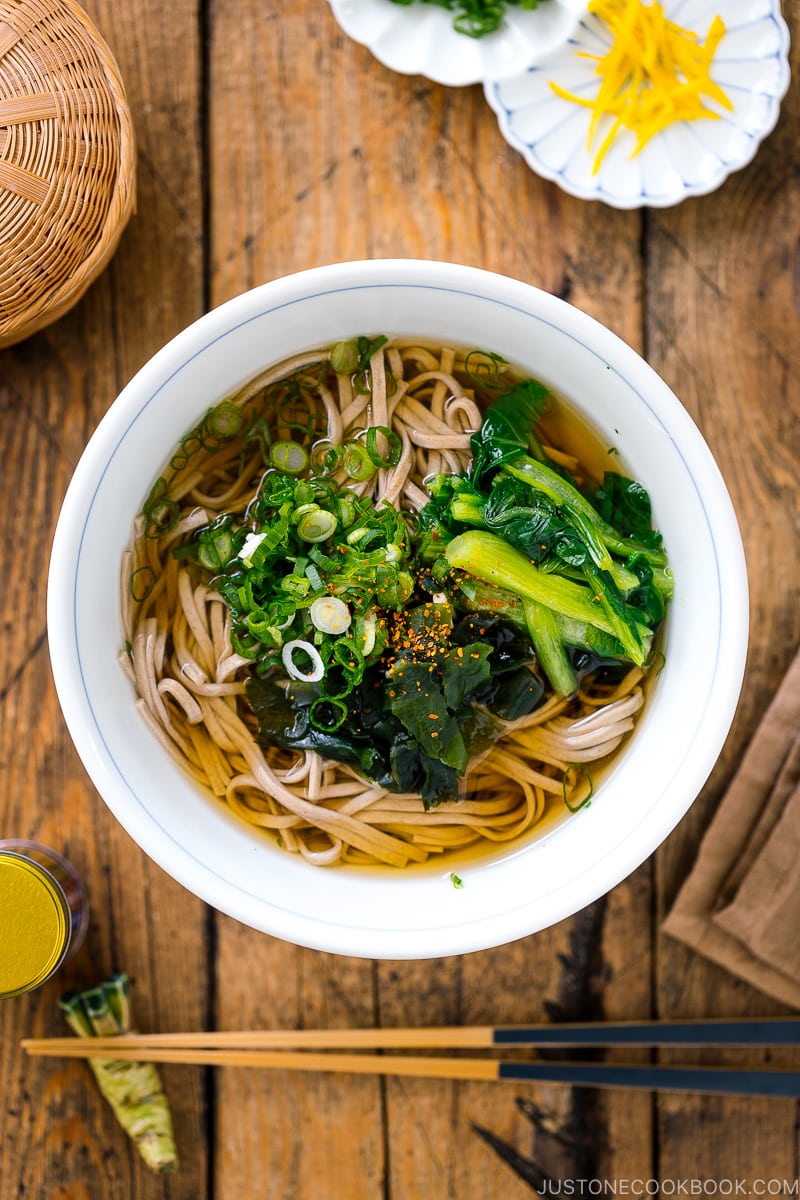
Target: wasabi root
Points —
{"points": [[133, 1089]]}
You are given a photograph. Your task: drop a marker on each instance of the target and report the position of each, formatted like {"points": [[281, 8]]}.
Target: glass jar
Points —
{"points": [[44, 913]]}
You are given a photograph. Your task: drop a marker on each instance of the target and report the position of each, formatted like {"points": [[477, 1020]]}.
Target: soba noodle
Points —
{"points": [[190, 683]]}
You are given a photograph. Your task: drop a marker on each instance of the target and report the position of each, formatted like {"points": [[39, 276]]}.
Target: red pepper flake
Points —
{"points": [[434, 733], [433, 716]]}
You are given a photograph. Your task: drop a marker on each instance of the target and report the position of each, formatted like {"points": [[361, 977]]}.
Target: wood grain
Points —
{"points": [[722, 330], [53, 390]]}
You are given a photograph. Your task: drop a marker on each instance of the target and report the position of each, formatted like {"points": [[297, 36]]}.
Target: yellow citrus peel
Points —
{"points": [[654, 74]]}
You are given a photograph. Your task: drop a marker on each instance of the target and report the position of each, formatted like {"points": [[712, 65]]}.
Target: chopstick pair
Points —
{"points": [[273, 1049]]}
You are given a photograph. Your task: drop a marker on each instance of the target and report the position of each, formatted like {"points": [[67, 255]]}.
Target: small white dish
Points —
{"points": [[419, 39], [690, 158]]}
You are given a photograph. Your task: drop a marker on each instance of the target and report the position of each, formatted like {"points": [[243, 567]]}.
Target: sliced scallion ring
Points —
{"points": [[161, 515], [288, 456], [357, 463], [370, 629], [346, 510], [142, 582], [327, 713], [326, 456], [345, 357], [317, 526], [304, 510], [392, 457], [224, 421], [214, 552], [316, 669], [329, 614]]}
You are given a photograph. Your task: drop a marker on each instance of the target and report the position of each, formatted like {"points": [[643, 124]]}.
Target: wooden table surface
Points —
{"points": [[269, 142]]}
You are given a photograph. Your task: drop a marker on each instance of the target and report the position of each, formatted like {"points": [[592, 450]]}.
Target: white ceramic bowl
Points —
{"points": [[416, 913]]}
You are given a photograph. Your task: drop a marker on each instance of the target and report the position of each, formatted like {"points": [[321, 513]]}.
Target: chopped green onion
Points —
{"points": [[329, 614], [347, 654], [251, 544], [313, 576], [322, 560], [326, 456], [345, 357], [162, 516], [289, 457], [368, 627], [346, 511], [304, 510], [317, 526], [323, 489], [588, 787], [327, 713], [262, 629], [358, 534], [304, 492], [142, 582], [275, 489], [161, 513], [215, 552], [224, 421], [357, 463], [295, 585], [484, 368], [298, 646], [392, 458]]}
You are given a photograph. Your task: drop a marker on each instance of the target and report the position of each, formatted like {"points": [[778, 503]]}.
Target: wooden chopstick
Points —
{"points": [[744, 1081], [760, 1031]]}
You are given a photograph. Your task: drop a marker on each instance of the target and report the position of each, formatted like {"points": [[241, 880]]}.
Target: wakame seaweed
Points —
{"points": [[414, 721]]}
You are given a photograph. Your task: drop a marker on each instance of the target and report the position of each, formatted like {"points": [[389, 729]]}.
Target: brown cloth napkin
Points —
{"points": [[740, 905]]}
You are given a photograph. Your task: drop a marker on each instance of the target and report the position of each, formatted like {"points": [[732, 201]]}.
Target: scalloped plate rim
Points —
{"points": [[773, 98]]}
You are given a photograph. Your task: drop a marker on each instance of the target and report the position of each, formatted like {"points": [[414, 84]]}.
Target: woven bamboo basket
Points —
{"points": [[67, 161]]}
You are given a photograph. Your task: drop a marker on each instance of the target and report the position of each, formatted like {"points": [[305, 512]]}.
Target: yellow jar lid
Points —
{"points": [[34, 925]]}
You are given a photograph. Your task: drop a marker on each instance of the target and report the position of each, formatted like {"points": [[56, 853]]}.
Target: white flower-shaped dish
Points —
{"points": [[419, 39], [689, 158]]}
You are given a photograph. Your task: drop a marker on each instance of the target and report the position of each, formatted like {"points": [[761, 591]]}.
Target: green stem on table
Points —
{"points": [[133, 1089]]}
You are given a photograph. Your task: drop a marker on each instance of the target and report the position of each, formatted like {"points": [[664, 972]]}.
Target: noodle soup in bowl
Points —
{"points": [[297, 550]]}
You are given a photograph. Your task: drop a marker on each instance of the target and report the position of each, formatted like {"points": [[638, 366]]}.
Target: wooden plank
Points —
{"points": [[722, 330], [337, 158], [276, 170], [61, 1138], [304, 1133]]}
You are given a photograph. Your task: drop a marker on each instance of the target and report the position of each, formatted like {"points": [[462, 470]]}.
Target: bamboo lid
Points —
{"points": [[67, 161]]}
